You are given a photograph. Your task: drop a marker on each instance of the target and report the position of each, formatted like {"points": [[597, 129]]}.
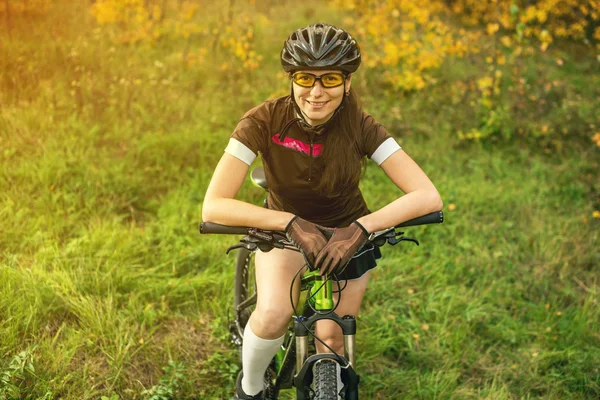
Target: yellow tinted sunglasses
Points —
{"points": [[329, 80]]}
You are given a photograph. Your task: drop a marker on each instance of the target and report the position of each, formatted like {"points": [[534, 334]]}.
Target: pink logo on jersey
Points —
{"points": [[298, 145]]}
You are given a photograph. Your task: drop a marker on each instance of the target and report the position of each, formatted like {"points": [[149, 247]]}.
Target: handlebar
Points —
{"points": [[211, 228]]}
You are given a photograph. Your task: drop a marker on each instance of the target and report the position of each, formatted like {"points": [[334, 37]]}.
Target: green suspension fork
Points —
{"points": [[320, 296]]}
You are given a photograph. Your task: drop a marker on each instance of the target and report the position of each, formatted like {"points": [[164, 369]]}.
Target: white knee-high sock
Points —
{"points": [[257, 353]]}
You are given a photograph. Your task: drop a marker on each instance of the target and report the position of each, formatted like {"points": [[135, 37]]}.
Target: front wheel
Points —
{"points": [[325, 380], [244, 293]]}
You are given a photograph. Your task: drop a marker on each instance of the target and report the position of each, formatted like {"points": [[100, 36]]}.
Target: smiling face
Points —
{"points": [[318, 103]]}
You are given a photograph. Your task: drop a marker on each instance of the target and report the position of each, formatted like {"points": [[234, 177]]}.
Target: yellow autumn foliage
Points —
{"points": [[414, 36], [408, 38], [138, 21], [25, 7], [544, 19], [238, 40]]}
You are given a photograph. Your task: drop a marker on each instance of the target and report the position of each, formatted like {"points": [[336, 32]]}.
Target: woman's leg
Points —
{"points": [[268, 323], [329, 331]]}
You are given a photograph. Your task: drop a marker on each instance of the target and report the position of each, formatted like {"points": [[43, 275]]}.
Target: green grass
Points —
{"points": [[107, 289]]}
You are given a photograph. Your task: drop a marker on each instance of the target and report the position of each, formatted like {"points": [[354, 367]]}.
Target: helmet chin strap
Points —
{"points": [[321, 127], [301, 117]]}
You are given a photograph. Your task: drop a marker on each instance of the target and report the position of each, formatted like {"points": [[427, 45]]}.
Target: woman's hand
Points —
{"points": [[310, 238], [344, 243]]}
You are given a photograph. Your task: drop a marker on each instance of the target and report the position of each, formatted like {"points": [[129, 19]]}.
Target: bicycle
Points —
{"points": [[314, 376]]}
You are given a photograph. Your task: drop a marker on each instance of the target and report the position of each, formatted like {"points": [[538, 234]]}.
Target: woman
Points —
{"points": [[313, 144]]}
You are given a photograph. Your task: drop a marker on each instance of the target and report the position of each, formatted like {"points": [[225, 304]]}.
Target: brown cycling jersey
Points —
{"points": [[293, 164]]}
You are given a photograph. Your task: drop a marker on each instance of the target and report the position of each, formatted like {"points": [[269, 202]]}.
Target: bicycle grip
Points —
{"points": [[436, 217], [209, 227]]}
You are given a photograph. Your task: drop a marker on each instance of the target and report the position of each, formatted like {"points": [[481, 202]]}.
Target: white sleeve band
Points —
{"points": [[385, 149], [240, 151]]}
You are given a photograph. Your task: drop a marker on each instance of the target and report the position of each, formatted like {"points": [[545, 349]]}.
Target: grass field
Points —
{"points": [[108, 291]]}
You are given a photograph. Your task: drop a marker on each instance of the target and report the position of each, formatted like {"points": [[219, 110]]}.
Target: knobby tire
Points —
{"points": [[325, 380]]}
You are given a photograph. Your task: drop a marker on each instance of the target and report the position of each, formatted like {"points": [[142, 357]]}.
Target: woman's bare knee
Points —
{"points": [[274, 275], [331, 335], [269, 323]]}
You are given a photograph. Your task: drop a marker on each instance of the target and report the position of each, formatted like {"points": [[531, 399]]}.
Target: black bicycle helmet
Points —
{"points": [[320, 46]]}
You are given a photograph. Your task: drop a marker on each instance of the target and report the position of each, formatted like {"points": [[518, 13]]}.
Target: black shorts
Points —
{"points": [[365, 260]]}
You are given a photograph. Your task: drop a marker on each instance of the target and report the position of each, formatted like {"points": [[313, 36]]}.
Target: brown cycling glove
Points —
{"points": [[310, 238], [344, 243]]}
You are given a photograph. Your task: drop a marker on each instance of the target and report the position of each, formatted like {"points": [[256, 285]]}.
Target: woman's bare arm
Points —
{"points": [[421, 195], [220, 206]]}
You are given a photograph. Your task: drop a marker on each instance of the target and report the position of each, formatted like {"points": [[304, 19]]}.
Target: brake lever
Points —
{"points": [[246, 245], [399, 237]]}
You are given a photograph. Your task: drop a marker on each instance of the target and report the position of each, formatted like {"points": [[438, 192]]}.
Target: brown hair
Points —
{"points": [[342, 156]]}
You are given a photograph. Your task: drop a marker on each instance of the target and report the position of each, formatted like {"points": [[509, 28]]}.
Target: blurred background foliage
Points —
{"points": [[113, 114], [508, 55]]}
